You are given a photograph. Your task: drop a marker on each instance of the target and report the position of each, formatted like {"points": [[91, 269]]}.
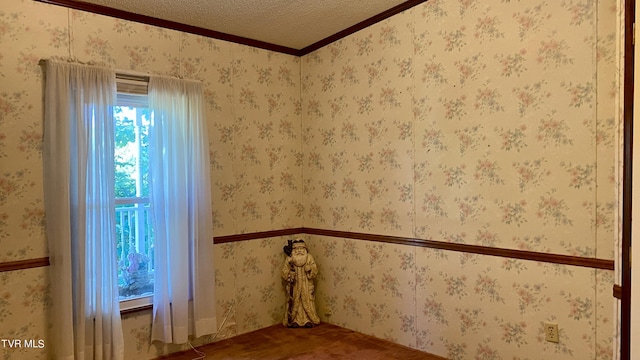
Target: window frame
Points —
{"points": [[132, 91]]}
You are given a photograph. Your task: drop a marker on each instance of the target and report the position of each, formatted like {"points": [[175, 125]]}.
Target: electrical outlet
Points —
{"points": [[551, 332]]}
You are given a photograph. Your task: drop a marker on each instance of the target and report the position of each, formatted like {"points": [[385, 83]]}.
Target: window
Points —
{"points": [[134, 230], [79, 156]]}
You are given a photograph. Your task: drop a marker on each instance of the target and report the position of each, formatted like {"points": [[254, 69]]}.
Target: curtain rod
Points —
{"points": [[120, 74]]}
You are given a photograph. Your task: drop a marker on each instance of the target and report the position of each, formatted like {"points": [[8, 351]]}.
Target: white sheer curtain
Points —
{"points": [[184, 300], [79, 202]]}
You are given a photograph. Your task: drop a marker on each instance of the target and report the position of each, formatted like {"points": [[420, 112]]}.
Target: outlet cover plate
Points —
{"points": [[551, 332]]}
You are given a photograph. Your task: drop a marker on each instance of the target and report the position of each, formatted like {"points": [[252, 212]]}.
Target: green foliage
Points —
{"points": [[127, 152], [125, 128]]}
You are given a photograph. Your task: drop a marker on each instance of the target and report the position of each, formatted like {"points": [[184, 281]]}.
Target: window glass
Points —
{"points": [[134, 231]]}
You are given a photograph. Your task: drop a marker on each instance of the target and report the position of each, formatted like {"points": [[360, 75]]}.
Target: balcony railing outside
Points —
{"points": [[134, 236]]}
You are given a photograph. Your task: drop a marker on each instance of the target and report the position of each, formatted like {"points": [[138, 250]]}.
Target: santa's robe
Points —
{"points": [[301, 307]]}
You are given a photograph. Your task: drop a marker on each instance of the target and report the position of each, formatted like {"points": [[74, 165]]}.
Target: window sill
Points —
{"points": [[136, 305], [136, 309]]}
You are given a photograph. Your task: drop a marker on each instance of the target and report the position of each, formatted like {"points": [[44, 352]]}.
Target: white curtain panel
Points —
{"points": [[78, 153], [184, 300]]}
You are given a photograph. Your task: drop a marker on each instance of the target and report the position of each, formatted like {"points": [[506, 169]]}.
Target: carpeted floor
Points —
{"points": [[322, 342]]}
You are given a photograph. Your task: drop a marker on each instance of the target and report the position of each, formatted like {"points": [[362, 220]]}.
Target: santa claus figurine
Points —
{"points": [[299, 270]]}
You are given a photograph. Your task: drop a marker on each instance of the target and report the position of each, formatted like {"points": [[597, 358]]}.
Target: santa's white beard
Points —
{"points": [[299, 260]]}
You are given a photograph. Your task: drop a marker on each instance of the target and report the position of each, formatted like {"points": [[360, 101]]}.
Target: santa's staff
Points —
{"points": [[287, 250]]}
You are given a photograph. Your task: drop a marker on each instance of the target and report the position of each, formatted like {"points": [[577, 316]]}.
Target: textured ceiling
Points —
{"points": [[291, 23]]}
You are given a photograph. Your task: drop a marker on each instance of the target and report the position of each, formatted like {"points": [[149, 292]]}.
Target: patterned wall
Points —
{"points": [[495, 129], [487, 123], [253, 102]]}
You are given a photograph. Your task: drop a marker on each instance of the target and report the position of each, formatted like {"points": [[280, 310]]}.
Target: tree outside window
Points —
{"points": [[134, 231]]}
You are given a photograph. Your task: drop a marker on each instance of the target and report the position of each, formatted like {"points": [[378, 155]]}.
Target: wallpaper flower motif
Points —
{"points": [[508, 111], [485, 123]]}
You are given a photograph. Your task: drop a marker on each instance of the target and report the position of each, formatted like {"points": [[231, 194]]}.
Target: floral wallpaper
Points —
{"points": [[24, 300], [464, 306], [495, 129], [488, 123], [253, 110]]}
